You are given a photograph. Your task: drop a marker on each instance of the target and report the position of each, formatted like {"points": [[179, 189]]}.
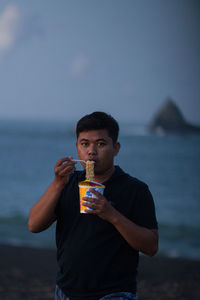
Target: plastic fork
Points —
{"points": [[79, 160]]}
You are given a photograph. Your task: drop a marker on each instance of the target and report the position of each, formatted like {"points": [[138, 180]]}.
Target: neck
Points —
{"points": [[105, 176]]}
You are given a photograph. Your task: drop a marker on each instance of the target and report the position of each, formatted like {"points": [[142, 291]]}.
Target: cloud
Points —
{"points": [[17, 27], [79, 66], [9, 28]]}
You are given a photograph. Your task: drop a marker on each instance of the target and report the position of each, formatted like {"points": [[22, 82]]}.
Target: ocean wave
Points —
{"points": [[13, 219], [14, 231], [175, 240], [179, 240], [181, 231]]}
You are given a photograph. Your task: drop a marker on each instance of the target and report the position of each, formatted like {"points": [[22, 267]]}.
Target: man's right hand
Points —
{"points": [[64, 167]]}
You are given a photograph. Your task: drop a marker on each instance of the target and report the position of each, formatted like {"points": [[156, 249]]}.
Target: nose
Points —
{"points": [[92, 150]]}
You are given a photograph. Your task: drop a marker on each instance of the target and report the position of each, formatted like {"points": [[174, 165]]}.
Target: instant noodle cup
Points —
{"points": [[84, 191]]}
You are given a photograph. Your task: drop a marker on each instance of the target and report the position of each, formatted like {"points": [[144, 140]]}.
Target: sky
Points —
{"points": [[62, 59]]}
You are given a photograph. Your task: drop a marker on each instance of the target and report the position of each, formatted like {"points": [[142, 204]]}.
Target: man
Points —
{"points": [[97, 252]]}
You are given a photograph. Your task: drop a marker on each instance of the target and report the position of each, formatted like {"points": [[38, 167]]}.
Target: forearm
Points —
{"points": [[42, 214], [138, 237]]}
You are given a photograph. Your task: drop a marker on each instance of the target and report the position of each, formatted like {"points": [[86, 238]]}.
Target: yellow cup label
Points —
{"points": [[84, 191]]}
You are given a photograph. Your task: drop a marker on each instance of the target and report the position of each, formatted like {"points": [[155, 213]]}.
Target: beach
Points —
{"points": [[29, 273]]}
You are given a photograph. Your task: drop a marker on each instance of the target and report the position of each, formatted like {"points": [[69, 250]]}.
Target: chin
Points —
{"points": [[98, 172]]}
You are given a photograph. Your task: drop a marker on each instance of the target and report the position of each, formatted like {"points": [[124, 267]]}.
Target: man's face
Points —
{"points": [[96, 145]]}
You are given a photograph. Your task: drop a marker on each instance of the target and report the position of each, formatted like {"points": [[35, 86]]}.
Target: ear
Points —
{"points": [[116, 148]]}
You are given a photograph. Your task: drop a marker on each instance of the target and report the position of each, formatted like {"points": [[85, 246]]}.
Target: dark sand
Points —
{"points": [[28, 273]]}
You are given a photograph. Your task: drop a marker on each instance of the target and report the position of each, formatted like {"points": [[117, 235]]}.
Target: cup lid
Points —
{"points": [[91, 183]]}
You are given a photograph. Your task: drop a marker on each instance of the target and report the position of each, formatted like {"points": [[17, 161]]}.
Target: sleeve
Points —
{"points": [[144, 209]]}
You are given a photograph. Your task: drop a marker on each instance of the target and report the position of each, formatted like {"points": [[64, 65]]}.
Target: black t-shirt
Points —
{"points": [[93, 258]]}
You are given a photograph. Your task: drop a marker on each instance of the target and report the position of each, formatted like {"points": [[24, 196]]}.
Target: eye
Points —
{"points": [[84, 144], [101, 144]]}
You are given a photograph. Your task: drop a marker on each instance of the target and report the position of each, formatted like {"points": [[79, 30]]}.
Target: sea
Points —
{"points": [[169, 164]]}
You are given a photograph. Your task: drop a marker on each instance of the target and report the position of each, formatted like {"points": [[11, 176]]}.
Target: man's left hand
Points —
{"points": [[99, 206]]}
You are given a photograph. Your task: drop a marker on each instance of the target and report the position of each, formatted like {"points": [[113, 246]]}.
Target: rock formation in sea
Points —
{"points": [[169, 119]]}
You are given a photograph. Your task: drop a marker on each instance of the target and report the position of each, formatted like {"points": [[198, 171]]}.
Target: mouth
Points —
{"points": [[94, 160]]}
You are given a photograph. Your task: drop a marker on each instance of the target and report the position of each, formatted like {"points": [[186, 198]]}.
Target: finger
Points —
{"points": [[90, 211], [92, 201], [64, 161], [89, 199], [96, 193], [69, 161], [93, 211], [65, 166], [60, 161], [89, 204], [64, 170], [89, 208], [95, 205]]}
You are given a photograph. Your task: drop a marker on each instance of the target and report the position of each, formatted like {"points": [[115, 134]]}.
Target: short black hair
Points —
{"points": [[96, 121]]}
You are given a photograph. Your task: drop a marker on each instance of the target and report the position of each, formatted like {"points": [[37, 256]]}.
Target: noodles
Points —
{"points": [[89, 170]]}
